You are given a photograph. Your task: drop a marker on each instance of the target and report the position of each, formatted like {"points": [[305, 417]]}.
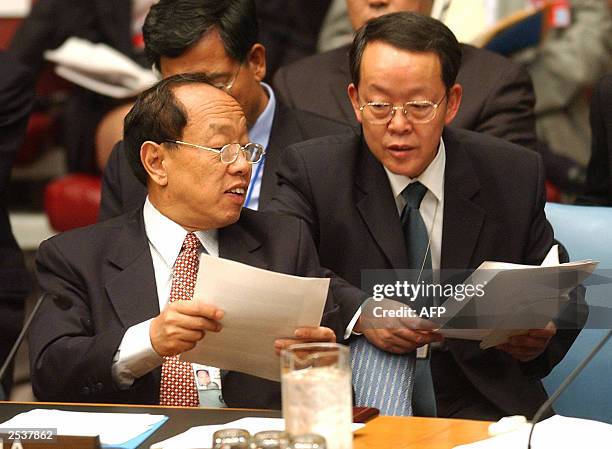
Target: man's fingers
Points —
{"points": [[526, 341], [197, 308], [324, 334]]}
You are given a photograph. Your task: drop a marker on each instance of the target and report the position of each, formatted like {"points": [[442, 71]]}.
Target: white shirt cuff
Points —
{"points": [[349, 329], [135, 356]]}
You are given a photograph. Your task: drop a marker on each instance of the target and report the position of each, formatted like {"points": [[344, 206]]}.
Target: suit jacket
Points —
{"points": [[498, 96], [121, 190], [598, 188], [493, 210], [103, 280], [49, 24], [16, 97]]}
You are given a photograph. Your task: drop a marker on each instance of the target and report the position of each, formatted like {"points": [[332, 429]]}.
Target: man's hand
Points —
{"points": [[529, 346], [181, 325], [306, 335], [398, 335]]}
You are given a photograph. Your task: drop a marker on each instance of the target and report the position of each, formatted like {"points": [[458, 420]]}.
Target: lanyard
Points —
{"points": [[253, 181]]}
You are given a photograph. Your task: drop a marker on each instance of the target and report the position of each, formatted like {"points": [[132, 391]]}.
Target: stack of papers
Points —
{"points": [[100, 68], [124, 430], [557, 432], [201, 436], [516, 298]]}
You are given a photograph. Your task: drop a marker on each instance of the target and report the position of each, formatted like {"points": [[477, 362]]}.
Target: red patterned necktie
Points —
{"points": [[177, 379]]}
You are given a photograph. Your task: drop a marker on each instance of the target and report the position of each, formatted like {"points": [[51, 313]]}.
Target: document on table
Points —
{"points": [[201, 436], [260, 306], [124, 430], [556, 432], [516, 298]]}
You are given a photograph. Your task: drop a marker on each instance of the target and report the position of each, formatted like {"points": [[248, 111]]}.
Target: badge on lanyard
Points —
{"points": [[208, 383], [559, 12]]}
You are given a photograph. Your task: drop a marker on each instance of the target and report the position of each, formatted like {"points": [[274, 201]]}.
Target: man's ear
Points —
{"points": [[257, 61], [454, 101], [354, 97], [152, 156]]}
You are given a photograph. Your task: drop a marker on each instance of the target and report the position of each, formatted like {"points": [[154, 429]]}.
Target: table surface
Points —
{"points": [[384, 432]]}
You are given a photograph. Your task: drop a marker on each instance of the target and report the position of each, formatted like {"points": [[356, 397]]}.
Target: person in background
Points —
{"points": [[16, 99]]}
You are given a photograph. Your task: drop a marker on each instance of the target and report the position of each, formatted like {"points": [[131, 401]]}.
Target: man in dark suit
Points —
{"points": [[499, 98], [598, 188], [16, 97], [112, 317], [483, 199], [218, 38]]}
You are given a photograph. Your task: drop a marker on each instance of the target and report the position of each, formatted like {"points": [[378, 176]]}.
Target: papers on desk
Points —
{"points": [[516, 298], [260, 306], [201, 436], [557, 432], [100, 68], [122, 430]]}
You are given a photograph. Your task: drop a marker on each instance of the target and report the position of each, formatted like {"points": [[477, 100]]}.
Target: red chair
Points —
{"points": [[72, 201]]}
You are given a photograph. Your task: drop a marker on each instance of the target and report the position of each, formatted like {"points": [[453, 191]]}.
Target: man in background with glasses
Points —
{"points": [[467, 197], [115, 320], [219, 38]]}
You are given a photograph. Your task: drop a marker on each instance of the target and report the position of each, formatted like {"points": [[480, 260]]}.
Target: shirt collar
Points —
{"points": [[432, 177], [167, 237], [261, 129]]}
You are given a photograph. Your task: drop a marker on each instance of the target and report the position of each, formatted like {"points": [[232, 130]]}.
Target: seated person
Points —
{"points": [[114, 323]]}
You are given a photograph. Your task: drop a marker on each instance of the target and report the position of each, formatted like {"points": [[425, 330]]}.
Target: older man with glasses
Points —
{"points": [[411, 193], [120, 308]]}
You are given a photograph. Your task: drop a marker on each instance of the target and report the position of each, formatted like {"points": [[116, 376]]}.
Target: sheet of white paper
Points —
{"points": [[100, 68], [557, 432], [15, 8], [201, 437], [113, 428], [522, 294], [260, 306]]}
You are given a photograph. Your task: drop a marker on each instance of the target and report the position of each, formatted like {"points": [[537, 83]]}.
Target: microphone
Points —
{"points": [[17, 344], [568, 380]]}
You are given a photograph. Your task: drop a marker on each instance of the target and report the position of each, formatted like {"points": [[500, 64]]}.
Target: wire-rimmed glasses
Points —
{"points": [[227, 87], [253, 152], [417, 111]]}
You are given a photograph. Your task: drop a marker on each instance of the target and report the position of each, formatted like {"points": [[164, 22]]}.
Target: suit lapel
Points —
{"points": [[239, 244], [338, 85], [285, 131], [376, 206], [134, 282], [463, 218]]}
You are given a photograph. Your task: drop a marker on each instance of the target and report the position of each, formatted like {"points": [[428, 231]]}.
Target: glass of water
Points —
{"points": [[316, 389]]}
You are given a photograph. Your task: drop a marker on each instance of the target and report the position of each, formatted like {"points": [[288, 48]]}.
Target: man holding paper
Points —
{"points": [[102, 332], [412, 193]]}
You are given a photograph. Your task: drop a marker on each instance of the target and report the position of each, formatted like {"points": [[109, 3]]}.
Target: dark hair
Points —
{"points": [[172, 26], [412, 32], [156, 116]]}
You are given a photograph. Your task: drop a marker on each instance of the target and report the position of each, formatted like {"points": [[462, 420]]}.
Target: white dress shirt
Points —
{"points": [[135, 356]]}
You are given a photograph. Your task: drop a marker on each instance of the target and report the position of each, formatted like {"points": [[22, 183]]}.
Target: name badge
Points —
{"points": [[208, 383]]}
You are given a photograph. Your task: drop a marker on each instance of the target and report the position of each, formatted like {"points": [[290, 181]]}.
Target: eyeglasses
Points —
{"points": [[418, 111], [253, 152], [227, 87]]}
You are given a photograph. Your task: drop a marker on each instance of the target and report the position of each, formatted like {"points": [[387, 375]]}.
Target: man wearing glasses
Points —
{"points": [[411, 193], [102, 332], [219, 38]]}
